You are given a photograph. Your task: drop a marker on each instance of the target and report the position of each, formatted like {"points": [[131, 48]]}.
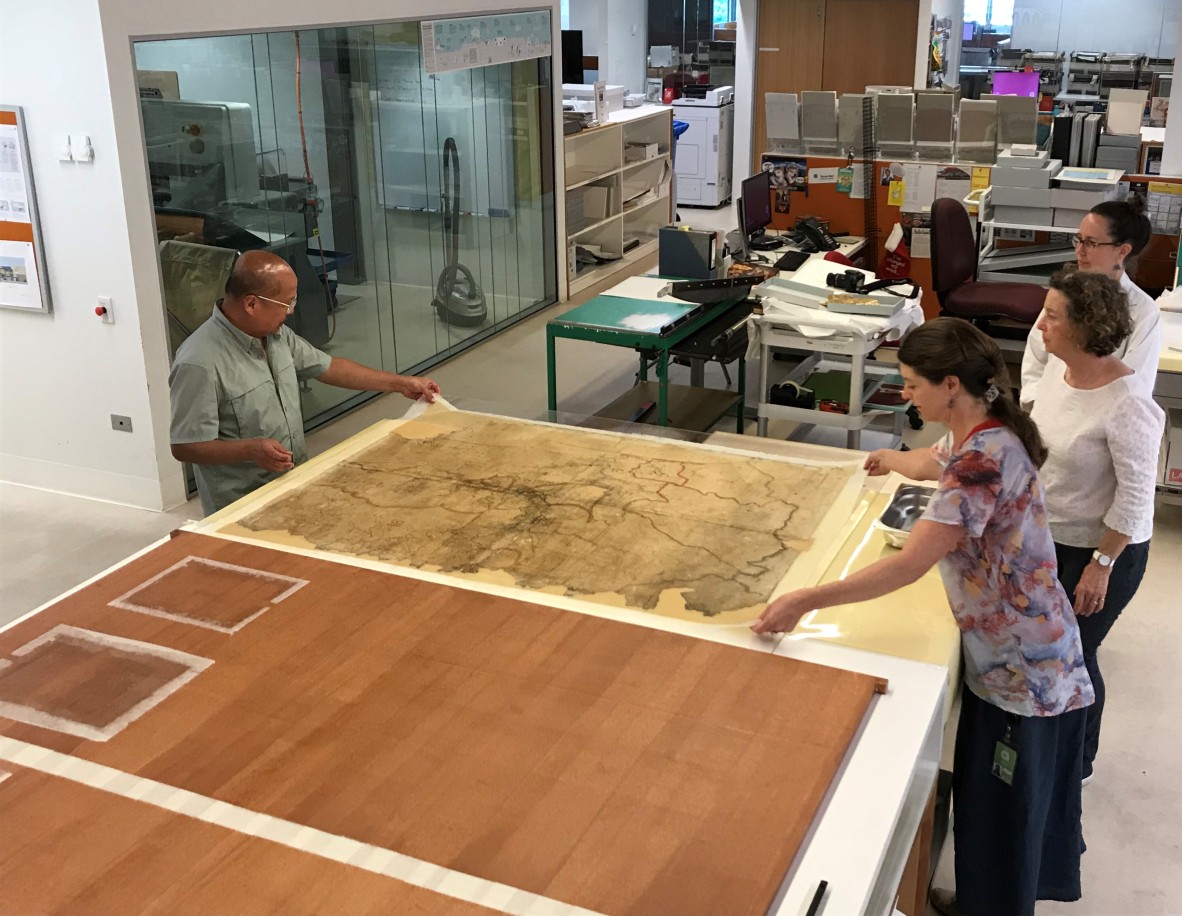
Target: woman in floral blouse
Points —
{"points": [[1019, 744]]}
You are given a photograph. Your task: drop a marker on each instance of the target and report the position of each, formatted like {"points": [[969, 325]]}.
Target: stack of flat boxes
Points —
{"points": [[1118, 151], [1022, 187], [1073, 199]]}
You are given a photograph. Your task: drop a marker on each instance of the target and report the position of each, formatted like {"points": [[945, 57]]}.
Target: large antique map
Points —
{"points": [[693, 532]]}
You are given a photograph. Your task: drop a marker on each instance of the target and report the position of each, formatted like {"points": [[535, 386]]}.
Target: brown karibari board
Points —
{"points": [[66, 847], [607, 765]]}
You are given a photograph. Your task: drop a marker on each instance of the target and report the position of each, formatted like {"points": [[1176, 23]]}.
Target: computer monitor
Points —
{"points": [[755, 211], [756, 192], [572, 56]]}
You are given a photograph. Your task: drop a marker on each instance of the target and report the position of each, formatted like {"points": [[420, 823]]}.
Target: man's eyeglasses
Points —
{"points": [[1079, 241], [290, 307]]}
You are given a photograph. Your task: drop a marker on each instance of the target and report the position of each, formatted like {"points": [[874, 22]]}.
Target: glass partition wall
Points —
{"points": [[417, 210]]}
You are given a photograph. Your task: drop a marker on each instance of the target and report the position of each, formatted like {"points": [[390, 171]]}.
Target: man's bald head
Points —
{"points": [[260, 290], [259, 273]]}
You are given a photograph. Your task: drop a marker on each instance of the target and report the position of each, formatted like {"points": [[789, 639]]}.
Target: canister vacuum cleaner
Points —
{"points": [[459, 300]]}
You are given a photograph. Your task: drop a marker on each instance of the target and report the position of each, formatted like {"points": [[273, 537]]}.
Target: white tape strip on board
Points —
{"points": [[287, 833]]}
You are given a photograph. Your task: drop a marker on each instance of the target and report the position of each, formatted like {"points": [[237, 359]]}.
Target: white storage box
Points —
{"points": [[1068, 218], [1024, 216], [1008, 177], [639, 152], [1021, 197], [1012, 160], [1068, 199]]}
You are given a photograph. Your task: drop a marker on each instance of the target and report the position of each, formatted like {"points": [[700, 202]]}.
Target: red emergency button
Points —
{"points": [[100, 310]]}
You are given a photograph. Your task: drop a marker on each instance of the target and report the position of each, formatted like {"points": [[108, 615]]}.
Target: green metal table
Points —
{"points": [[652, 327]]}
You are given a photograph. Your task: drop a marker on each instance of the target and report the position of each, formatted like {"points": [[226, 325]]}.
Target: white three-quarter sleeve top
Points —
{"points": [[1102, 468]]}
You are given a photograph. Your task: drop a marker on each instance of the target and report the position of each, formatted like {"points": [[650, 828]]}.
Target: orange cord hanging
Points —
{"points": [[309, 197]]}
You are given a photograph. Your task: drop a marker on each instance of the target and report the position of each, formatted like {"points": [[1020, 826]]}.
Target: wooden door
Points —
{"points": [[868, 42], [788, 55]]}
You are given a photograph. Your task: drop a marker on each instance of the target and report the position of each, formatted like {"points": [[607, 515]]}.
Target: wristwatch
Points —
{"points": [[1103, 559]]}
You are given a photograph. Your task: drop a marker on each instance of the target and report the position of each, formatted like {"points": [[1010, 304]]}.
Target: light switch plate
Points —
{"points": [[81, 148]]}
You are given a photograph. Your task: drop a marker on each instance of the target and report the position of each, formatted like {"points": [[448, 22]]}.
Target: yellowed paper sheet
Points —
{"points": [[693, 532]]}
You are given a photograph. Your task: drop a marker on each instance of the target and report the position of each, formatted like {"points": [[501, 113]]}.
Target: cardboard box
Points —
{"points": [[1021, 197], [1025, 216], [1080, 200], [1068, 218], [1009, 177], [639, 152], [1171, 456]]}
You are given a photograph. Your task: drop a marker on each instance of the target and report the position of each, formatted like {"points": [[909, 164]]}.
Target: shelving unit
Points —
{"points": [[613, 203], [1039, 261]]}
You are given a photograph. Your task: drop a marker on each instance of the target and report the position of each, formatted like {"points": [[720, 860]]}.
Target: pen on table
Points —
{"points": [[815, 906], [1176, 349]]}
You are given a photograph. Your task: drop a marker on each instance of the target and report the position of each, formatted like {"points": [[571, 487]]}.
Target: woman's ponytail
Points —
{"points": [[946, 347]]}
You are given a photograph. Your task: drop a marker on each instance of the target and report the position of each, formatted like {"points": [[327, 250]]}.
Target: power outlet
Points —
{"points": [[123, 424]]}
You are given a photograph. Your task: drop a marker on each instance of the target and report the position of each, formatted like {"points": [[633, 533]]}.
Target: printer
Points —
{"points": [[706, 96], [704, 150]]}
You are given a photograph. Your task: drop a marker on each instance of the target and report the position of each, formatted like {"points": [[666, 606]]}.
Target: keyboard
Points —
{"points": [[791, 260]]}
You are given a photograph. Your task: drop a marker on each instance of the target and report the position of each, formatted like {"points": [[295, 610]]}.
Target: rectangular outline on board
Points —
{"points": [[32, 716], [123, 602]]}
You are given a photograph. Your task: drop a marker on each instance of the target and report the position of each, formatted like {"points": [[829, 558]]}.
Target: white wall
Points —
{"points": [[747, 15], [1133, 27], [615, 31], [627, 43], [62, 375], [590, 18]]}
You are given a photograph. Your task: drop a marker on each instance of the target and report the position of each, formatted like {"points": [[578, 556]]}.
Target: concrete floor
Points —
{"points": [[50, 542]]}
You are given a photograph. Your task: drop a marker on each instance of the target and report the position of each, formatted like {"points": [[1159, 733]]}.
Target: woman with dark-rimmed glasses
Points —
{"points": [[1111, 234]]}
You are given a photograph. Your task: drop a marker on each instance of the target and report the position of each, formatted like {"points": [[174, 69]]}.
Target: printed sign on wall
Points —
{"points": [[23, 283]]}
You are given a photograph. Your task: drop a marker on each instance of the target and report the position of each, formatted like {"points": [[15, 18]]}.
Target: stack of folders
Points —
{"points": [[1076, 140]]}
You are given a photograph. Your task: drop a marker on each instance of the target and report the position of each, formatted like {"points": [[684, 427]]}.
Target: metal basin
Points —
{"points": [[904, 511]]}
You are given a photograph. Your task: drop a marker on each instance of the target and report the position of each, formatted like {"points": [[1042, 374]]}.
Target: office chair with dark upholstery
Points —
{"points": [[954, 274]]}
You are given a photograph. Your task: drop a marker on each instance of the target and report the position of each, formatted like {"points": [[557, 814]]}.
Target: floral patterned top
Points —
{"points": [[1021, 641]]}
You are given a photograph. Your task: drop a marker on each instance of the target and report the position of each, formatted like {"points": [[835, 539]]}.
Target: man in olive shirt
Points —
{"points": [[235, 384]]}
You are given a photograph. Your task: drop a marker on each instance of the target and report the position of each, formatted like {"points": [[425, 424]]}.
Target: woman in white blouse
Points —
{"points": [[1104, 433], [1109, 235]]}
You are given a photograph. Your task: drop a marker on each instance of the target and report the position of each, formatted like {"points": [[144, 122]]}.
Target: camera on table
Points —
{"points": [[849, 281]]}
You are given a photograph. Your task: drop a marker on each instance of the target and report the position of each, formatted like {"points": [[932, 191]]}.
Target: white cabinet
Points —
{"points": [[617, 192]]}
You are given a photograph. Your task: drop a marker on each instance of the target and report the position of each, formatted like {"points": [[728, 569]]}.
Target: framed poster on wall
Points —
{"points": [[23, 281]]}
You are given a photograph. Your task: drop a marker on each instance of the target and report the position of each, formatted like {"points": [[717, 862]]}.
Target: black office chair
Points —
{"points": [[954, 275]]}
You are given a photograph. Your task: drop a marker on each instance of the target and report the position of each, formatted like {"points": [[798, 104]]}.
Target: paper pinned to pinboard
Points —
{"points": [[919, 181]]}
